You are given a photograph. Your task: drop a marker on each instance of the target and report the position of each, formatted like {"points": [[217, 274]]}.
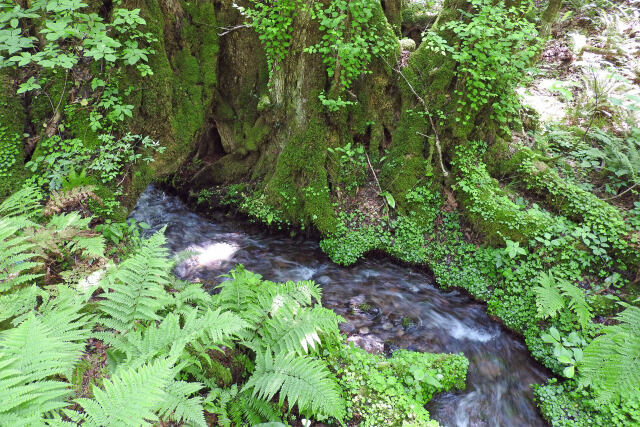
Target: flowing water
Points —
{"points": [[403, 308]]}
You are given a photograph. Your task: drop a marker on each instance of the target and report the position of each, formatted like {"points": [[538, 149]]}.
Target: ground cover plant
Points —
{"points": [[496, 143]]}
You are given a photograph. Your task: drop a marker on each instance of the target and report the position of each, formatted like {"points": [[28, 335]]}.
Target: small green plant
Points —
{"points": [[67, 35], [352, 165], [497, 44], [567, 350]]}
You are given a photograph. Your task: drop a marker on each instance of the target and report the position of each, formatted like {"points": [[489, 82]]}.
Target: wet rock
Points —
{"points": [[347, 328], [369, 343], [387, 326], [364, 331], [356, 301], [489, 368]]}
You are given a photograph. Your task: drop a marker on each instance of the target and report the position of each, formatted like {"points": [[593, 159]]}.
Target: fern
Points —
{"points": [[73, 231], [301, 380], [299, 333], [548, 299], [610, 362], [555, 294], [238, 407], [137, 286], [130, 398], [68, 199], [23, 203], [577, 302], [20, 302], [17, 254], [178, 406], [143, 344], [41, 347]]}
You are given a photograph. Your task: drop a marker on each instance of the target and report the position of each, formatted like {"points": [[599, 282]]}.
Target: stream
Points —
{"points": [[404, 308]]}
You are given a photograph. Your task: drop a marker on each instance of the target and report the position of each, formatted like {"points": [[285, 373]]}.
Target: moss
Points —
{"points": [[488, 206], [406, 165], [300, 166], [585, 208], [12, 121], [228, 169], [172, 105], [53, 97]]}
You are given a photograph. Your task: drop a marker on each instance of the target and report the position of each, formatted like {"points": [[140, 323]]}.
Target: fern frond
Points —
{"points": [[192, 294], [22, 203], [301, 333], [24, 402], [137, 286], [239, 407], [41, 347], [16, 254], [89, 246], [179, 407], [300, 380], [63, 200], [238, 293], [610, 362], [246, 409], [132, 397], [548, 299], [47, 345], [577, 302], [19, 302]]}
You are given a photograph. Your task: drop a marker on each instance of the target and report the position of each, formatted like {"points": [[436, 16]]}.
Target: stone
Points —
{"points": [[368, 343], [346, 327], [408, 44]]}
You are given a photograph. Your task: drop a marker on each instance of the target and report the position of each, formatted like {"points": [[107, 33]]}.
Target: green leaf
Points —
{"points": [[569, 371]]}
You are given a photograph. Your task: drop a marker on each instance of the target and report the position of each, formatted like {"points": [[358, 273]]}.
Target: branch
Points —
{"points": [[227, 30]]}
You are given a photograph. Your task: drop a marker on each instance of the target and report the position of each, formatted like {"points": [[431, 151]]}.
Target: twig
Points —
{"points": [[373, 171], [227, 30], [624, 192], [444, 171]]}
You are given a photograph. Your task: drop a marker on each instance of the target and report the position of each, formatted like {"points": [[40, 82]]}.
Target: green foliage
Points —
{"points": [[393, 391], [548, 298], [135, 290], [301, 380], [553, 295], [352, 38], [567, 350], [273, 22], [620, 157], [44, 345], [495, 49], [353, 35], [351, 165], [65, 30], [134, 397], [10, 144], [610, 361]]}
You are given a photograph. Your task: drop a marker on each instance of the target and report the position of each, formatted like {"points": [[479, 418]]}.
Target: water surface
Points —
{"points": [[500, 369]]}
